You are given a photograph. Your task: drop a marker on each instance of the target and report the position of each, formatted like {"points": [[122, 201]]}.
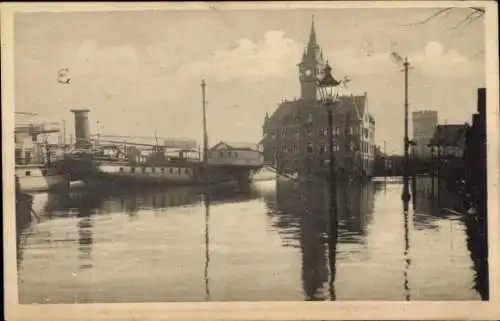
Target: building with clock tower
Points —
{"points": [[295, 134]]}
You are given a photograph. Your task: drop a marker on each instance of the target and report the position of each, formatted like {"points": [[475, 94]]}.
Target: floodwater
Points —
{"points": [[268, 242]]}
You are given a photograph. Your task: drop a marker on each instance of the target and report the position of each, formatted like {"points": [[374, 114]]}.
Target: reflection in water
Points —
{"points": [[85, 233], [332, 245], [207, 243], [303, 209], [273, 240], [407, 247], [314, 270]]}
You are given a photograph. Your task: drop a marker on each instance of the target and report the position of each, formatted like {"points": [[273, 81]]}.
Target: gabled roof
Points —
{"points": [[284, 109], [449, 135], [234, 146]]}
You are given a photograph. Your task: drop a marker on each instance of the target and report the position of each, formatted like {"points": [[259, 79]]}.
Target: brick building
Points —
{"points": [[295, 135]]}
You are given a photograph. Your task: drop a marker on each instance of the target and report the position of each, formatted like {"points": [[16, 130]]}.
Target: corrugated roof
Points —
{"points": [[449, 135]]}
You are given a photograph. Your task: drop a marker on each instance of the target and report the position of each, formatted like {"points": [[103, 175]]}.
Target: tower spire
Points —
{"points": [[312, 45], [312, 35]]}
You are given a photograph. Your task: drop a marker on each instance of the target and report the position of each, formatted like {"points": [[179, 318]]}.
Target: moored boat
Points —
{"points": [[34, 178], [35, 168], [91, 167]]}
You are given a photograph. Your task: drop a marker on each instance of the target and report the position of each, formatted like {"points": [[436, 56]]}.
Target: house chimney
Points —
{"points": [[82, 130]]}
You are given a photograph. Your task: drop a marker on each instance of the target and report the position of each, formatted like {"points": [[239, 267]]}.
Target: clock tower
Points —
{"points": [[310, 67]]}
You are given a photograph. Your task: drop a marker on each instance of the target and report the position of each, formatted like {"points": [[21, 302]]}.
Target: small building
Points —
{"points": [[224, 153], [448, 140]]}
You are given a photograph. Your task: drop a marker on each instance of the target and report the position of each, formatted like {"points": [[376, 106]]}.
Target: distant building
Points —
{"points": [[296, 133], [424, 125]]}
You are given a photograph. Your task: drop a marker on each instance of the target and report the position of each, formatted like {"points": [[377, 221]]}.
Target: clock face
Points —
{"points": [[308, 72]]}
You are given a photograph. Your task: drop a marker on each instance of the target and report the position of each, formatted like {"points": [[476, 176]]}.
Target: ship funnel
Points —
{"points": [[82, 129]]}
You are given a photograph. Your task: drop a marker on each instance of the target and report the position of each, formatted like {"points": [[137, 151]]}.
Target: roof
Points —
{"points": [[449, 135], [284, 109], [292, 108], [235, 145]]}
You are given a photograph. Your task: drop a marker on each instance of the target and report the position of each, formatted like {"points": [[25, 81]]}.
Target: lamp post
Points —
{"points": [[327, 87]]}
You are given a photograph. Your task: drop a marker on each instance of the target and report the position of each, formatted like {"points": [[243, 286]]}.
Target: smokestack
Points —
{"points": [[82, 129]]}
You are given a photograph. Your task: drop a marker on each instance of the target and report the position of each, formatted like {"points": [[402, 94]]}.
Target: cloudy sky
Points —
{"points": [[140, 71]]}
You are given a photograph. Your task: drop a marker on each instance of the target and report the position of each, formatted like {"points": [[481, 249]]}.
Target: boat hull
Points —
{"points": [[99, 174], [94, 173]]}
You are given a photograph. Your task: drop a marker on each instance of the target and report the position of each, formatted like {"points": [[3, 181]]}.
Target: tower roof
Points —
{"points": [[312, 36], [312, 51]]}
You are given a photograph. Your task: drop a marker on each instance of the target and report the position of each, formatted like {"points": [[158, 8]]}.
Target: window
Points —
{"points": [[221, 154], [132, 169], [144, 169], [309, 147], [163, 169], [321, 148], [28, 173], [186, 171], [27, 157], [121, 169], [171, 170], [337, 131], [18, 156]]}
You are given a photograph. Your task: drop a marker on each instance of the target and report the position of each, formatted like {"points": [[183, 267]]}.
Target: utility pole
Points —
{"points": [[406, 190], [205, 135], [385, 161], [64, 133]]}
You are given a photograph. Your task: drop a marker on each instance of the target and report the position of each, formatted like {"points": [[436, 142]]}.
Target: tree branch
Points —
{"points": [[469, 18], [475, 11], [434, 15], [481, 10]]}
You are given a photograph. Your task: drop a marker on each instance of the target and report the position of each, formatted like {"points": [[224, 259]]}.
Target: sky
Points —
{"points": [[139, 72]]}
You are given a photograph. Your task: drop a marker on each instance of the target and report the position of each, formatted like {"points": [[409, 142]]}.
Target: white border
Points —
{"points": [[251, 310]]}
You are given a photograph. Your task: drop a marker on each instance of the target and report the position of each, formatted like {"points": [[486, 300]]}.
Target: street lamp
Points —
{"points": [[328, 91]]}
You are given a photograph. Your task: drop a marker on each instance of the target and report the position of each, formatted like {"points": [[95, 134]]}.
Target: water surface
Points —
{"points": [[268, 242]]}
